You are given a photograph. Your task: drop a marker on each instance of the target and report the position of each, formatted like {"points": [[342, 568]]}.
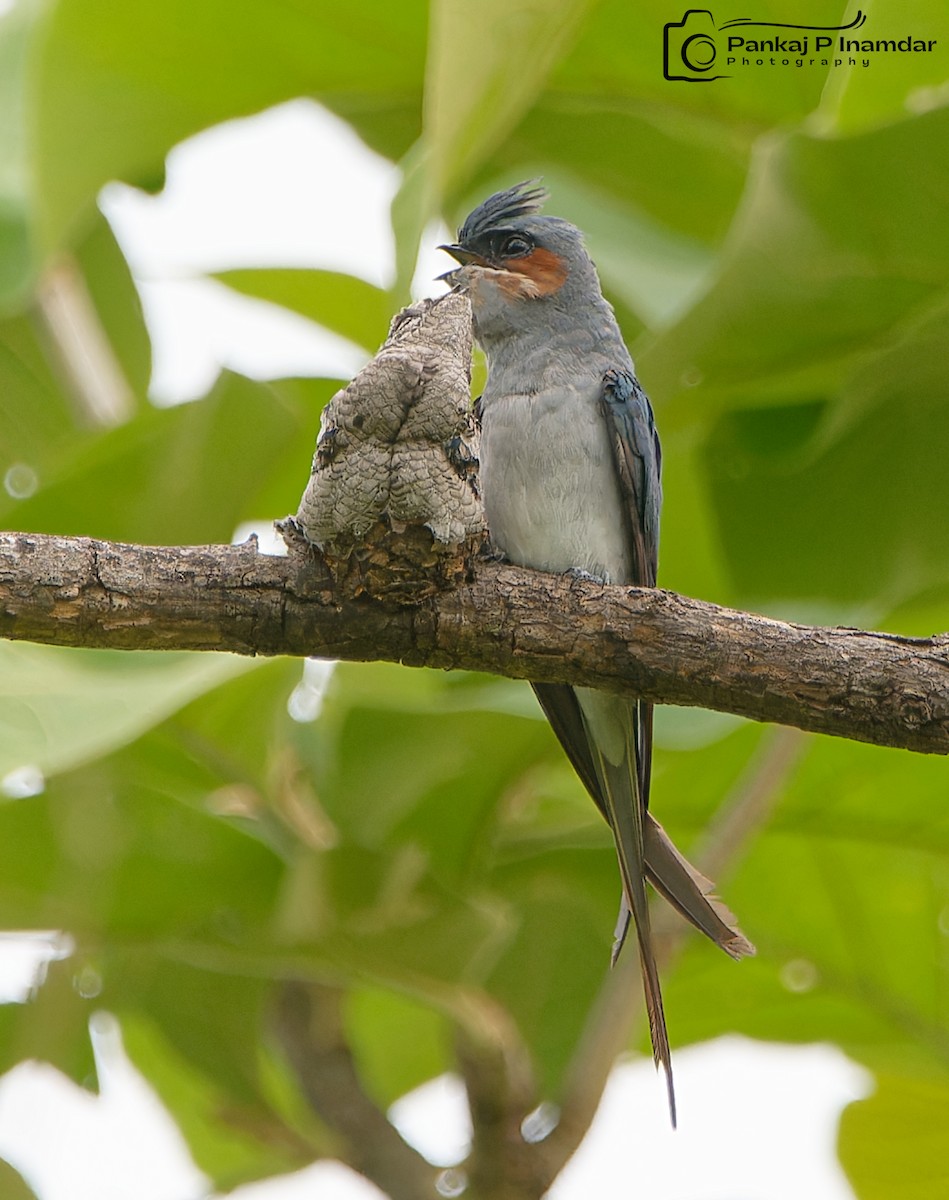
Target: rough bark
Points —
{"points": [[454, 612]]}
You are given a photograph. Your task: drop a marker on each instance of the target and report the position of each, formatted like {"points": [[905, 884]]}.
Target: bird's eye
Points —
{"points": [[517, 246]]}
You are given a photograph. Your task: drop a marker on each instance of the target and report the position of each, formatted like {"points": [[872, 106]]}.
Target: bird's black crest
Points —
{"points": [[518, 201]]}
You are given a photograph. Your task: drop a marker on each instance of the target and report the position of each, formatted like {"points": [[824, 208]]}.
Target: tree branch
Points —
{"points": [[501, 1091], [309, 1025], [478, 615]]}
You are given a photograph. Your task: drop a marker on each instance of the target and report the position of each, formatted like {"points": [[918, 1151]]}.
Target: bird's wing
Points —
{"points": [[638, 459]]}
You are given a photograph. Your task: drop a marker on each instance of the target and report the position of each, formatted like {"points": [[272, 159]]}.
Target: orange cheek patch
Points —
{"points": [[516, 285], [546, 271]]}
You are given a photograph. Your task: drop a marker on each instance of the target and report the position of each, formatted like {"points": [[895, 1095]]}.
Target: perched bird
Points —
{"points": [[570, 464]]}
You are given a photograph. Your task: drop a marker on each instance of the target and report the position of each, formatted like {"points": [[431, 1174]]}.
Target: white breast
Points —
{"points": [[551, 494]]}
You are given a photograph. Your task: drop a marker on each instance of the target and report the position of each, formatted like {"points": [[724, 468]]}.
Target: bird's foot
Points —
{"points": [[582, 576]]}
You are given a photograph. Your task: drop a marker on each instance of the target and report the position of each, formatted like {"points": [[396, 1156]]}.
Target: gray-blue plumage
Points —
{"points": [[570, 477]]}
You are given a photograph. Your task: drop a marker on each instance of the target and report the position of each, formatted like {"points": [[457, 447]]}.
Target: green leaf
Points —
{"points": [[12, 1184], [473, 99], [844, 277], [845, 895], [110, 858], [386, 920], [41, 419], [37, 420], [815, 346], [691, 556], [565, 905], [759, 462], [127, 84], [115, 297], [620, 55], [661, 166], [62, 708], [893, 1143], [188, 474], [346, 305], [399, 1044], [859, 98], [54, 1026], [18, 27], [232, 1140], [166, 903], [428, 785], [413, 206]]}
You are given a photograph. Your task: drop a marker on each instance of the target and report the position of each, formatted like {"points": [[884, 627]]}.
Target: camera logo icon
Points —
{"points": [[689, 50]]}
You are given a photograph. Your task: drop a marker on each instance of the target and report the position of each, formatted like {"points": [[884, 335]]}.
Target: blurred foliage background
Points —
{"points": [[777, 250]]}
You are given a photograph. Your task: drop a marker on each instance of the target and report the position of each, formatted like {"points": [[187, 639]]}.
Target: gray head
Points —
{"points": [[525, 273]]}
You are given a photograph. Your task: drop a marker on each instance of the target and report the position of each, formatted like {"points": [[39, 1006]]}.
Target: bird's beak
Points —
{"points": [[464, 256]]}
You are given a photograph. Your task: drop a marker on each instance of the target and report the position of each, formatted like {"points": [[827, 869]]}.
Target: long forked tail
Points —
{"points": [[637, 905], [658, 1033], [612, 736], [688, 891]]}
